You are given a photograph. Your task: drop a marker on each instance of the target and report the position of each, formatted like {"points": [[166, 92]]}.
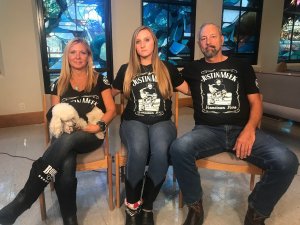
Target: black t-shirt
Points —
{"points": [[219, 91], [82, 101], [146, 103]]}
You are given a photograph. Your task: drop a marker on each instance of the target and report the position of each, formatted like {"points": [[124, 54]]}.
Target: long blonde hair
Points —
{"points": [[159, 68], [66, 70]]}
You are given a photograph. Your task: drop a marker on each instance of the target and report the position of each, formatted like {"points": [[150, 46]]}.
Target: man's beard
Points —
{"points": [[210, 53]]}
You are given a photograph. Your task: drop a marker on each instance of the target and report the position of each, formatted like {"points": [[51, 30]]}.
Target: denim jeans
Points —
{"points": [[278, 162], [142, 140]]}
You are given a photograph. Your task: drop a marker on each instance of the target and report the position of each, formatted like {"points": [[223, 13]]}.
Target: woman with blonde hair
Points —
{"points": [[146, 129], [83, 88]]}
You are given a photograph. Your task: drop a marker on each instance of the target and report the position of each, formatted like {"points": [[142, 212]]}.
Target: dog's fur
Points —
{"points": [[93, 117], [66, 119]]}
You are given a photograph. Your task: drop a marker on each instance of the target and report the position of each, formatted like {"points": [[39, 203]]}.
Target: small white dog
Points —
{"points": [[66, 119], [93, 117]]}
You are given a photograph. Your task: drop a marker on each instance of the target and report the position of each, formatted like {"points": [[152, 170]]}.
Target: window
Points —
{"points": [[289, 44], [241, 22], [61, 21], [173, 22]]}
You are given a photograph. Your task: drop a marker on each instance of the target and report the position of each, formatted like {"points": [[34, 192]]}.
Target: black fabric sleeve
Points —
{"points": [[119, 79], [250, 80], [103, 82], [188, 71], [175, 76]]}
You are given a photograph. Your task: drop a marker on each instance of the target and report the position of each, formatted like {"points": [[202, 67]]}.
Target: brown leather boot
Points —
{"points": [[254, 218], [195, 215]]}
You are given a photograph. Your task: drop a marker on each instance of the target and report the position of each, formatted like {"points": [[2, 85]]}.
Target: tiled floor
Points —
{"points": [[225, 194]]}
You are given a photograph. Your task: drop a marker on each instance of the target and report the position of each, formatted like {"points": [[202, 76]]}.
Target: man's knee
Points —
{"points": [[287, 162], [180, 146], [292, 162]]}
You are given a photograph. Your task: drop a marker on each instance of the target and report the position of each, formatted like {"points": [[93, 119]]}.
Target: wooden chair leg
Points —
{"points": [[110, 184], [180, 200], [117, 181], [43, 206], [252, 179]]}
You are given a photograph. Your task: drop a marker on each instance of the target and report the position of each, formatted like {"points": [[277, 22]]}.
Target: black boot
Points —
{"points": [[254, 218], [133, 217], [147, 218], [66, 195], [71, 220], [195, 215], [133, 194], [40, 175]]}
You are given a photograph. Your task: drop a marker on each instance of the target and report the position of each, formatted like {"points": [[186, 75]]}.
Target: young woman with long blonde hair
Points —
{"points": [[146, 129]]}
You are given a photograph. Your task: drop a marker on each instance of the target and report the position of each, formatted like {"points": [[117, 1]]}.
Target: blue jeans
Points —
{"points": [[142, 140], [278, 162]]}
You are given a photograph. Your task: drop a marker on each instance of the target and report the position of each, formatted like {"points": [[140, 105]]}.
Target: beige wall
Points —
{"points": [[21, 84], [126, 17], [270, 34]]}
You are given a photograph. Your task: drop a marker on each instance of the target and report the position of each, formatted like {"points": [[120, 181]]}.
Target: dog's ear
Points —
{"points": [[56, 127]]}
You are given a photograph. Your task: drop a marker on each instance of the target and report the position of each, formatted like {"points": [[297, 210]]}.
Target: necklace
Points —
{"points": [[79, 83], [76, 86]]}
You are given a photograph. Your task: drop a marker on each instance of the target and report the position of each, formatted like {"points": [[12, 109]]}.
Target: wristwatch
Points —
{"points": [[102, 125]]}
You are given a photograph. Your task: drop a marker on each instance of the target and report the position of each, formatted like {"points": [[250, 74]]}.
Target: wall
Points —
{"points": [[270, 35], [126, 17], [20, 85], [22, 79]]}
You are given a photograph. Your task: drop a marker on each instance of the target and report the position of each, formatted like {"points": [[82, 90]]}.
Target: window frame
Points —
{"points": [[192, 3], [43, 46], [288, 12], [251, 57]]}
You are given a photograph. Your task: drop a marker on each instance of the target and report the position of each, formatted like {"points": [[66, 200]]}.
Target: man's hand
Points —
{"points": [[244, 143]]}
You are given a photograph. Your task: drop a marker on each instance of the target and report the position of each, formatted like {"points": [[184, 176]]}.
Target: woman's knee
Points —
{"points": [[67, 171]]}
